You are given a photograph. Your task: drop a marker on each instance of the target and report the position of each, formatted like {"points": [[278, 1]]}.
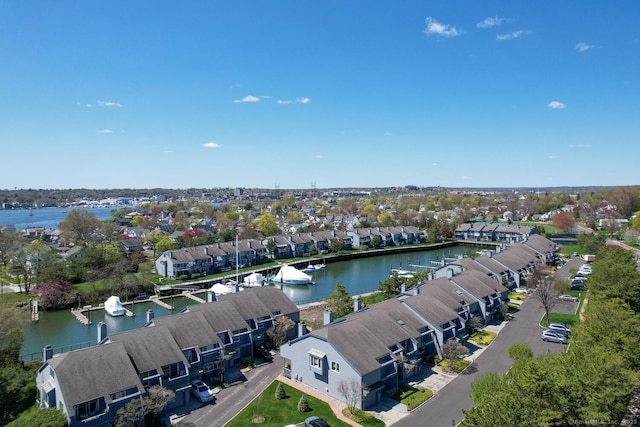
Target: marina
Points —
{"points": [[61, 329]]}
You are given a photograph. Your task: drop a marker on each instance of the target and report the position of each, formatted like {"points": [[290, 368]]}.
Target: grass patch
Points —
{"points": [[457, 367], [483, 337], [516, 296], [363, 418], [16, 297], [373, 298], [513, 306], [278, 413], [412, 397]]}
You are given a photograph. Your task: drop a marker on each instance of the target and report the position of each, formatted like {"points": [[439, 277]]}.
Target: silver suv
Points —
{"points": [[553, 336]]}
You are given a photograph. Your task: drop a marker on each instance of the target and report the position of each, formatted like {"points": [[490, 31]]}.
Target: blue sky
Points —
{"points": [[335, 93]]}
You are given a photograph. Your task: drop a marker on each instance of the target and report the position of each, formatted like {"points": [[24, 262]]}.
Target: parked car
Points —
{"points": [[566, 297], [315, 422], [261, 352], [577, 286], [201, 391], [561, 327], [553, 336]]}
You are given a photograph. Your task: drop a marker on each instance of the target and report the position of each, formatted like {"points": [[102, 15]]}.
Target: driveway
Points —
{"points": [[232, 399], [444, 409]]}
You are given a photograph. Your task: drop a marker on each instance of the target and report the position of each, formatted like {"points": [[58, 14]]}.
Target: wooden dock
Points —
{"points": [[194, 297], [79, 314], [129, 313], [161, 303]]}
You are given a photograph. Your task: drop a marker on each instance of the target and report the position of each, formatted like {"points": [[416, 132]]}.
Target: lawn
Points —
{"points": [[412, 397], [278, 413], [482, 337]]}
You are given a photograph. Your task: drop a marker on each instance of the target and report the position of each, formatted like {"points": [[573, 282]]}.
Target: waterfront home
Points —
{"points": [[494, 232], [384, 344], [89, 386], [204, 341]]}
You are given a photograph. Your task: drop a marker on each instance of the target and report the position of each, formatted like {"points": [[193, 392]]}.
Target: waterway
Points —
{"points": [[61, 330], [45, 217]]}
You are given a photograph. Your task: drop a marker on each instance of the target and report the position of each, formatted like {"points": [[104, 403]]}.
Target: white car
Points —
{"points": [[560, 327], [566, 297], [201, 391]]}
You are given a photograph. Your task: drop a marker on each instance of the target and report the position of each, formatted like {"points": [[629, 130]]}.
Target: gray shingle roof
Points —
{"points": [[150, 348], [94, 372], [189, 329], [478, 284]]}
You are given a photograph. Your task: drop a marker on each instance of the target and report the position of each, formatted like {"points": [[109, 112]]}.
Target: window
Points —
{"points": [[315, 362], [335, 366], [173, 371]]}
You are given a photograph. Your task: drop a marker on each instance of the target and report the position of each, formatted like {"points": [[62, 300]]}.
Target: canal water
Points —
{"points": [[45, 217], [63, 332]]}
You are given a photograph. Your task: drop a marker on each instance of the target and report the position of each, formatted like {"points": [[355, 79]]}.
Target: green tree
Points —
{"points": [[164, 244], [337, 245], [280, 394], [47, 417], [293, 217], [391, 287], [267, 225], [303, 404], [340, 302], [79, 226]]}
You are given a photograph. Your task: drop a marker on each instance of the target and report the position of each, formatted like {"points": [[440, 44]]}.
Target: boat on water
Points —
{"points": [[405, 274], [312, 268], [225, 288], [289, 275], [254, 279], [114, 307]]}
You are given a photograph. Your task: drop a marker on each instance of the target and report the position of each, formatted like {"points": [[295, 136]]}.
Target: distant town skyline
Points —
{"points": [[290, 95]]}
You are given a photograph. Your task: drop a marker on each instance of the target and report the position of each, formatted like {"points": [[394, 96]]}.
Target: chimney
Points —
{"points": [[302, 329], [327, 317], [102, 331], [449, 273], [206, 250], [416, 290], [403, 288], [430, 275], [47, 353], [150, 315], [211, 296], [357, 304]]}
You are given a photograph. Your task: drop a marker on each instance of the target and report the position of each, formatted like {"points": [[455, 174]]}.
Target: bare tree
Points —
{"points": [[452, 350], [277, 333], [352, 391], [79, 226], [546, 293]]}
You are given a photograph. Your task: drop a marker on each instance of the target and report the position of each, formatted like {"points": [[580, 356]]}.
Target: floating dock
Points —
{"points": [[194, 297], [162, 303], [79, 314]]}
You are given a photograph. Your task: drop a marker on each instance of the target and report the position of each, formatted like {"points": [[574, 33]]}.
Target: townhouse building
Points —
{"points": [[204, 341]]}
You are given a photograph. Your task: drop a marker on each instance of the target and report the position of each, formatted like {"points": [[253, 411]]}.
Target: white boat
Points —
{"points": [[405, 274], [312, 268], [254, 279], [225, 288], [289, 275], [114, 307]]}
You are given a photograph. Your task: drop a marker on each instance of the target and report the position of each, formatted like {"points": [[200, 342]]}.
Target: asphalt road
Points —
{"points": [[232, 399]]}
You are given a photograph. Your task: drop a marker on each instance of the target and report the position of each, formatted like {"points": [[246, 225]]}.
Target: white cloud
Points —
{"points": [[109, 104], [556, 105], [580, 146], [583, 47], [317, 156], [104, 131], [388, 134], [491, 22], [445, 30], [211, 145], [303, 100], [514, 35], [248, 98], [551, 157], [435, 164]]}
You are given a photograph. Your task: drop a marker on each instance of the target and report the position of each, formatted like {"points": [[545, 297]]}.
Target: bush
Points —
{"points": [[183, 277], [303, 405], [280, 392]]}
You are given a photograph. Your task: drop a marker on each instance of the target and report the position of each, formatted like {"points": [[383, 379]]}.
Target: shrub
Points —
{"points": [[183, 277], [280, 392], [303, 405]]}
